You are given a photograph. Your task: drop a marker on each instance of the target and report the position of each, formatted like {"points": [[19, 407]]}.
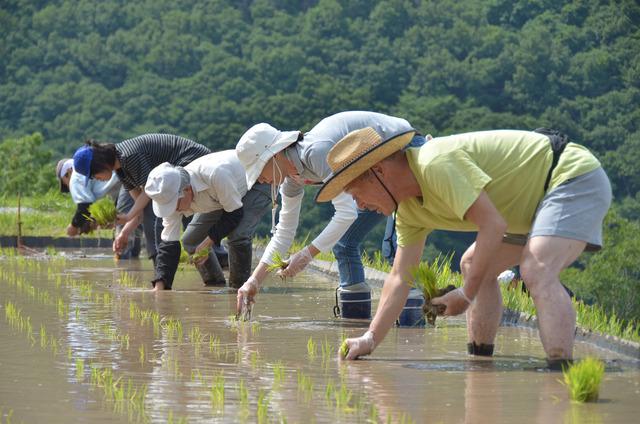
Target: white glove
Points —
{"points": [[246, 298], [360, 346], [296, 263], [506, 277]]}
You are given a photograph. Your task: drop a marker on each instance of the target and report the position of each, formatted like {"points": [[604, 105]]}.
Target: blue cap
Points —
{"points": [[82, 161]]}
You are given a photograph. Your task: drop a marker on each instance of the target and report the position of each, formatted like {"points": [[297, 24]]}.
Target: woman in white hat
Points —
{"points": [[290, 160]]}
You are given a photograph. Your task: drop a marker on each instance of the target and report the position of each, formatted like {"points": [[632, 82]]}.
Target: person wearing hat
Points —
{"points": [[214, 188], [132, 160], [293, 159], [83, 195], [536, 187]]}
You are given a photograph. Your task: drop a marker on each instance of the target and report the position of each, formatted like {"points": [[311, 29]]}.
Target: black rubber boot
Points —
{"points": [[240, 257], [480, 349], [559, 364], [222, 255], [211, 272]]}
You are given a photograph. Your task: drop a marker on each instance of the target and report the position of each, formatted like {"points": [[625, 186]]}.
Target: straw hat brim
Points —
{"points": [[336, 183]]}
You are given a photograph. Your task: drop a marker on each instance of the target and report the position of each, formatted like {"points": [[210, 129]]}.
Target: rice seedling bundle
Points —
{"points": [[583, 379], [103, 212]]}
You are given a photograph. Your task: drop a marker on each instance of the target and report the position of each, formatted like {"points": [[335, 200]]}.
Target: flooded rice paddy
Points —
{"points": [[83, 340]]}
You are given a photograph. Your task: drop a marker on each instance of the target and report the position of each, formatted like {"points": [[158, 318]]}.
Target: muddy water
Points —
{"points": [[84, 314]]}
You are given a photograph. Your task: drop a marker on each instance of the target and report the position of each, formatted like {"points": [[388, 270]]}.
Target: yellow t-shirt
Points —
{"points": [[511, 166]]}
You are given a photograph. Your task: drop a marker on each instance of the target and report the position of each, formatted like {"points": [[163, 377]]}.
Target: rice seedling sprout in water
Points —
{"points": [[583, 378], [311, 348]]}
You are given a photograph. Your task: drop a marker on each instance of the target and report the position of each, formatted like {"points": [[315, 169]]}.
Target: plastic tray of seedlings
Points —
{"points": [[426, 278], [103, 212]]}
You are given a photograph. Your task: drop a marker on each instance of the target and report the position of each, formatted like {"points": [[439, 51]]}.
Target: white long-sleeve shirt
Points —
{"points": [[218, 181], [93, 190], [309, 156]]}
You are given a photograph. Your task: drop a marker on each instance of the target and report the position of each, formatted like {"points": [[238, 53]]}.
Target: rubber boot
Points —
{"points": [[211, 272], [240, 257], [480, 349], [355, 301], [412, 315], [222, 255]]}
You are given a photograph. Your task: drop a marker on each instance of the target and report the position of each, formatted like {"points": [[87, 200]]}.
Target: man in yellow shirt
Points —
{"points": [[505, 185]]}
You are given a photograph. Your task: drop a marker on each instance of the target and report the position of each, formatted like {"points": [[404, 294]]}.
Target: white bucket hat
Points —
{"points": [[163, 187], [259, 144]]}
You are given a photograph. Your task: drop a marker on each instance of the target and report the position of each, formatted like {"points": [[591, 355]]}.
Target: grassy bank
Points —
{"points": [[46, 215]]}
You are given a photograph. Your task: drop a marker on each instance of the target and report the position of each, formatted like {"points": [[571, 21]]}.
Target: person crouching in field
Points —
{"points": [[214, 188], [551, 193]]}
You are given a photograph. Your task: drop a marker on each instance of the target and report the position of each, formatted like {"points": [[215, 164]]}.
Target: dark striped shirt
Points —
{"points": [[139, 155]]}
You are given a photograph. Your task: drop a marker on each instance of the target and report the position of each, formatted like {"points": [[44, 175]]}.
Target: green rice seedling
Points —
{"points": [[262, 408], [425, 278], [305, 385], [255, 328], [199, 255], [583, 378], [374, 414], [327, 351], [80, 369], [43, 337], [344, 348], [141, 357], [243, 394], [254, 358], [278, 374], [329, 391], [217, 391], [312, 348], [343, 397], [278, 262], [103, 212]]}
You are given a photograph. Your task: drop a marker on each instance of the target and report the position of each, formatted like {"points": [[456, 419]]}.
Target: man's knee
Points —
{"points": [[536, 275]]}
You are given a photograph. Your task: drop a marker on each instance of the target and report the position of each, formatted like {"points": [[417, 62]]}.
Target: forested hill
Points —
{"points": [[209, 69]]}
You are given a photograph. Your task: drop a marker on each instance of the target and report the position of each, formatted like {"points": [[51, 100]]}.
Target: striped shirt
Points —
{"points": [[139, 155]]}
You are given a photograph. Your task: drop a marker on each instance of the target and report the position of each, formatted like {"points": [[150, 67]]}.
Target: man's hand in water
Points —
{"points": [[246, 297]]}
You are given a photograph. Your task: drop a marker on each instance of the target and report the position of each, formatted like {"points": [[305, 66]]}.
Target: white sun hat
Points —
{"points": [[259, 144], [163, 187]]}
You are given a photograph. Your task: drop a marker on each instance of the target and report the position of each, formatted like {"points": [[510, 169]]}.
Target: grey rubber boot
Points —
{"points": [[211, 272], [240, 257]]}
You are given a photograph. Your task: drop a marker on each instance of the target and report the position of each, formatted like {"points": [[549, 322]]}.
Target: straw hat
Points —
{"points": [[354, 154]]}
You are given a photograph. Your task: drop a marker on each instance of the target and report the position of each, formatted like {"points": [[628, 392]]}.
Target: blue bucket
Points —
{"points": [[412, 315], [355, 305]]}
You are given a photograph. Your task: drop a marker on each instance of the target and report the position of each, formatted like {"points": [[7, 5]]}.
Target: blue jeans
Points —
{"points": [[348, 250]]}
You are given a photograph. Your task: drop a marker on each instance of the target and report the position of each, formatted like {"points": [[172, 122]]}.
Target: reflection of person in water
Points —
{"points": [[551, 194]]}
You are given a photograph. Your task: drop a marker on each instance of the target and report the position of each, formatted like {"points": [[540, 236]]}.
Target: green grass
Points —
{"points": [[44, 216], [583, 378]]}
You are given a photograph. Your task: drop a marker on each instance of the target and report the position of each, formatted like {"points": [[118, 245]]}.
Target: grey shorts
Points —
{"points": [[574, 210]]}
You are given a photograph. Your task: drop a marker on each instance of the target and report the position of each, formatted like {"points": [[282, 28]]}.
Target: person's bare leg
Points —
{"points": [[158, 286], [484, 315], [543, 259]]}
